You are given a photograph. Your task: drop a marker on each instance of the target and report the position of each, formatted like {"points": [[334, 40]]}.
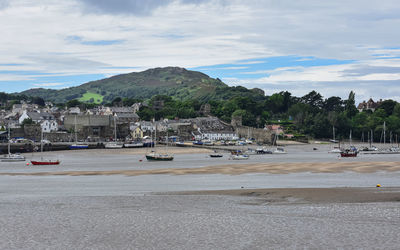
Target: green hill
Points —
{"points": [[176, 82]]}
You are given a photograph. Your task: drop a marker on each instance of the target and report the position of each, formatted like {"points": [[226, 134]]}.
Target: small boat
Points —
{"points": [[197, 143], [42, 161], [46, 162], [133, 144], [113, 145], [179, 143], [280, 151], [263, 150], [79, 146], [349, 153], [153, 156], [216, 155], [335, 150], [12, 158], [240, 157]]}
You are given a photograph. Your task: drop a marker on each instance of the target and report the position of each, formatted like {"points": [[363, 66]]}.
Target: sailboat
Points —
{"points": [[78, 145], [11, 157], [335, 149], [115, 143], [44, 161], [154, 156], [349, 152]]}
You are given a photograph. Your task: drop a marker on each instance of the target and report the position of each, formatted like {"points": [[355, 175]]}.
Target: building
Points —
{"points": [[46, 120], [369, 105]]}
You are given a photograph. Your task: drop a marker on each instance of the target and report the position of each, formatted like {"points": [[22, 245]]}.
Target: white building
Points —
{"points": [[46, 120]]}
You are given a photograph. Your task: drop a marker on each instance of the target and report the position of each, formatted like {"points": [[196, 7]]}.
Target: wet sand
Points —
{"points": [[309, 195], [238, 169]]}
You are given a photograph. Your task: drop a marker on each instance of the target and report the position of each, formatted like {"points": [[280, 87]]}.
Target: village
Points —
{"points": [[29, 124]]}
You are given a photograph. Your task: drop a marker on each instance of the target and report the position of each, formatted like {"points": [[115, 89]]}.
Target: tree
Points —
{"points": [[388, 106], [313, 99], [350, 107]]}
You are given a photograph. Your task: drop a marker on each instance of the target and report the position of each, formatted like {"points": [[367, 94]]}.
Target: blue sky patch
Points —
{"points": [[256, 68]]}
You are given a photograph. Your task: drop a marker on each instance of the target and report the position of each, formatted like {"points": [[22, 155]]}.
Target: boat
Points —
{"points": [[78, 145], [335, 150], [349, 153], [197, 143], [180, 144], [114, 144], [11, 157], [133, 144], [154, 156], [240, 157], [216, 155], [263, 150], [279, 151], [44, 161]]}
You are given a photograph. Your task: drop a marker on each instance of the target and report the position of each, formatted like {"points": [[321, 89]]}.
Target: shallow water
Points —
{"points": [[121, 212]]}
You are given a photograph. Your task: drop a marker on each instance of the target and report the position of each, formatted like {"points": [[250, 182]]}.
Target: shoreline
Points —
{"points": [[307, 195]]}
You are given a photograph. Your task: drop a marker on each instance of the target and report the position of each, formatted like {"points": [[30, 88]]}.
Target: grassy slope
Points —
{"points": [[89, 95]]}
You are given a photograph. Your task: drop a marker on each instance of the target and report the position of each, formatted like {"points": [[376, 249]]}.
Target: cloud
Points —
{"points": [[4, 4], [49, 84], [132, 7]]}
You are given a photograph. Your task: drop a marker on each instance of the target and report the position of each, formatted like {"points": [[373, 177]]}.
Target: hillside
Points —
{"points": [[177, 82]]}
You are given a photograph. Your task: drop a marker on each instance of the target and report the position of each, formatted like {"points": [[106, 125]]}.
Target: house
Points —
{"points": [[369, 105], [122, 114], [136, 131], [46, 120], [146, 126]]}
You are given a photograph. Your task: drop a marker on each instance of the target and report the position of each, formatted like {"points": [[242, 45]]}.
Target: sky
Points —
{"points": [[332, 47]]}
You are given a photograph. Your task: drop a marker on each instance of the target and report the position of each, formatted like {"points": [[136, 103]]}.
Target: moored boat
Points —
{"points": [[45, 162], [12, 158], [153, 156]]}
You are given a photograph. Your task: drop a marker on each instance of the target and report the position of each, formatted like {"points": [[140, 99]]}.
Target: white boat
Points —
{"points": [[114, 144], [335, 150], [78, 145], [133, 144], [11, 157], [240, 157], [279, 151]]}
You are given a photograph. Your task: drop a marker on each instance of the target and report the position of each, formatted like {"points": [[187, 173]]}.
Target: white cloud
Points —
{"points": [[194, 33], [49, 84]]}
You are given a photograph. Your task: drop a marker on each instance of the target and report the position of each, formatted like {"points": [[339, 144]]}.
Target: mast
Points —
{"points": [[9, 140], [384, 133], [41, 144], [350, 137], [115, 129], [76, 136], [372, 137], [333, 132]]}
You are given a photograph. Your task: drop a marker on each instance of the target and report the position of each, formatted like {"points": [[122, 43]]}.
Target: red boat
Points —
{"points": [[45, 162], [349, 153]]}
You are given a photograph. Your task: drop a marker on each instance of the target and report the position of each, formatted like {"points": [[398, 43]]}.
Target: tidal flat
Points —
{"points": [[115, 199]]}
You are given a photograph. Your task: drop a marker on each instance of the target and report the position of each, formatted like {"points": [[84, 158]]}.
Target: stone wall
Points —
{"points": [[260, 135]]}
